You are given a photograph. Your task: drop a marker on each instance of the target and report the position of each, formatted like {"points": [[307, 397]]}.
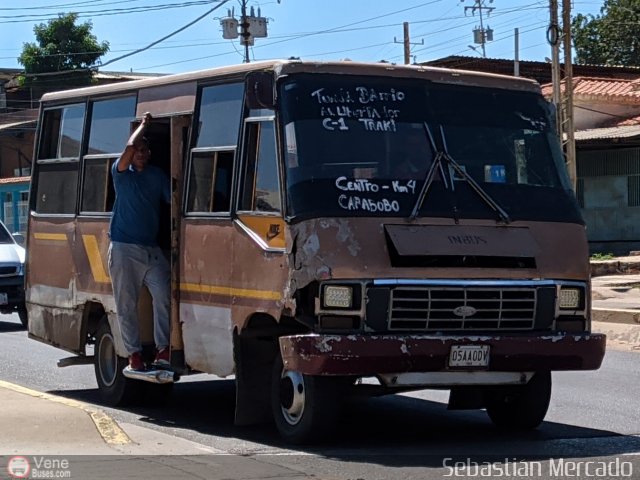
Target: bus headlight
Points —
{"points": [[570, 298], [337, 296]]}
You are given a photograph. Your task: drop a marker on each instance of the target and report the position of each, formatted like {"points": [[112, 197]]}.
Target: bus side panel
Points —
{"points": [[91, 258], [206, 252], [259, 278], [51, 283]]}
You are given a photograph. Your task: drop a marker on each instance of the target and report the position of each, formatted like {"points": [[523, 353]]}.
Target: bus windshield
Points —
{"points": [[363, 146]]}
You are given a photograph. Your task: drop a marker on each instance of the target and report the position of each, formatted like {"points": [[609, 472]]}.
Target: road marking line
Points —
{"points": [[107, 427]]}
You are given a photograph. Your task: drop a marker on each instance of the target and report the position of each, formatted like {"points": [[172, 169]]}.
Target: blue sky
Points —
{"points": [[362, 30]]}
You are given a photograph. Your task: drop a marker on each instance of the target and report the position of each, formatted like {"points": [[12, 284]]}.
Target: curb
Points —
{"points": [[107, 427], [614, 315], [619, 335], [602, 268]]}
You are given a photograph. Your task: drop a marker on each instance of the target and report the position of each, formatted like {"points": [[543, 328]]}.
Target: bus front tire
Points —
{"points": [[520, 407], [305, 408], [115, 389]]}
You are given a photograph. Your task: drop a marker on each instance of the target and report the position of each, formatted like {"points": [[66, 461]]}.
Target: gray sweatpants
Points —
{"points": [[130, 267]]}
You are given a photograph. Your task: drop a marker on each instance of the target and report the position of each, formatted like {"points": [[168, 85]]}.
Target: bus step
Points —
{"points": [[153, 376]]}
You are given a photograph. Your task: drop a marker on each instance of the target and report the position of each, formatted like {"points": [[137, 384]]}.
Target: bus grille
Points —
{"points": [[445, 308]]}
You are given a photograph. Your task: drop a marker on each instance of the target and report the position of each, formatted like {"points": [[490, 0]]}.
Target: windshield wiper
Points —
{"points": [[443, 155], [436, 165]]}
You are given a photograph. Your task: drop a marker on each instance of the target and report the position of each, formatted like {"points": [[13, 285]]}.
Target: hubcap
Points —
{"points": [[107, 360], [292, 396]]}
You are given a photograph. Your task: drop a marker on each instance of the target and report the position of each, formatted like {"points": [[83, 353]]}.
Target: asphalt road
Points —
{"points": [[593, 417]]}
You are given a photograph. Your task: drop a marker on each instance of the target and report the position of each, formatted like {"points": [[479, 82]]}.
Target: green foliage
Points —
{"points": [[602, 256], [62, 46], [611, 38]]}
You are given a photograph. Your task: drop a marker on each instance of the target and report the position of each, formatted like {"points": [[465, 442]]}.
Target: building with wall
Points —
{"points": [[607, 122]]}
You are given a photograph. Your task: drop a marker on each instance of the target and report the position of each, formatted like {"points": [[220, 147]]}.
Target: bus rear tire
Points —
{"points": [[115, 389], [521, 407], [305, 408]]}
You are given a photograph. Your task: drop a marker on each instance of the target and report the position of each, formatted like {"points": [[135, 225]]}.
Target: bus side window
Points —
{"points": [[209, 189], [61, 135], [56, 169], [57, 186], [98, 193], [212, 156], [108, 133], [260, 186]]}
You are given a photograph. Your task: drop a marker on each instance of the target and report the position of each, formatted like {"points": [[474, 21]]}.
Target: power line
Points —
{"points": [[221, 3], [101, 13], [462, 38], [167, 36], [331, 30], [66, 5], [297, 35], [292, 37], [509, 36]]}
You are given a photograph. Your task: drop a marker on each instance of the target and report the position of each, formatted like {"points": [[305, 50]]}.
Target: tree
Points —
{"points": [[62, 46], [611, 38]]}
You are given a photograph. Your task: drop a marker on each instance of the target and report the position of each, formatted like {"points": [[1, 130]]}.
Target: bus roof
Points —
{"points": [[285, 67]]}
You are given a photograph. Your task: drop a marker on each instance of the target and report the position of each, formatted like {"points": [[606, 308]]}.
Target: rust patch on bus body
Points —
{"points": [[57, 326], [316, 246], [358, 248]]}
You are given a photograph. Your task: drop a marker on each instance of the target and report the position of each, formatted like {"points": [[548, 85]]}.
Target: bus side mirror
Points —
{"points": [[259, 87]]}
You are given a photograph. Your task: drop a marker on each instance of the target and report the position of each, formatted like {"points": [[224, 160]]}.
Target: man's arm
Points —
{"points": [[134, 141]]}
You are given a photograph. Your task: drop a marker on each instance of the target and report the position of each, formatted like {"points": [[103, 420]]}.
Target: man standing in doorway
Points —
{"points": [[135, 259]]}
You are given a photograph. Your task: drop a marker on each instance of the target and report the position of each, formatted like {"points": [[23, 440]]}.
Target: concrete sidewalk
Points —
{"points": [[45, 436], [616, 303], [615, 290], [36, 423], [616, 298]]}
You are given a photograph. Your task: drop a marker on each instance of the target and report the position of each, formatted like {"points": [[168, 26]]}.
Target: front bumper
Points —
{"points": [[13, 288], [363, 355]]}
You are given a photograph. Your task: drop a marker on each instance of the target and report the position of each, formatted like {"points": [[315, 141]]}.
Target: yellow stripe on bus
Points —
{"points": [[229, 291], [50, 236], [95, 259]]}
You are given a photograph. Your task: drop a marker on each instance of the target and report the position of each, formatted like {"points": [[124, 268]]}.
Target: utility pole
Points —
{"points": [[481, 35], [407, 43], [563, 97], [570, 143], [554, 37], [244, 34], [516, 48]]}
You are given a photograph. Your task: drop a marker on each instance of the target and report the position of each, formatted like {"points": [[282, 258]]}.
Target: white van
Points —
{"points": [[12, 275]]}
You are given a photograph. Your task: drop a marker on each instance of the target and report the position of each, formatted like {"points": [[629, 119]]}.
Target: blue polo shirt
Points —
{"points": [[136, 211]]}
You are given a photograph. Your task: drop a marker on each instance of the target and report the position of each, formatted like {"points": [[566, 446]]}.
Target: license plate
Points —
{"points": [[3, 299], [469, 356]]}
